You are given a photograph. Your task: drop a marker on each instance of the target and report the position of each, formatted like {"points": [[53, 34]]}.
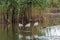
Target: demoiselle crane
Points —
{"points": [[28, 25], [20, 25], [35, 24]]}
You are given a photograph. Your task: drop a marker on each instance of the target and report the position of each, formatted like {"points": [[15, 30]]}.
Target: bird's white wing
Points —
{"points": [[27, 25], [36, 24], [20, 25]]}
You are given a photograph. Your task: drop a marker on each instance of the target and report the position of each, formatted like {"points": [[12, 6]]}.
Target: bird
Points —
{"points": [[35, 24], [20, 25], [28, 25]]}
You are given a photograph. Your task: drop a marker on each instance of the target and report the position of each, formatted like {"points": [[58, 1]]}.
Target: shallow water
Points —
{"points": [[50, 33]]}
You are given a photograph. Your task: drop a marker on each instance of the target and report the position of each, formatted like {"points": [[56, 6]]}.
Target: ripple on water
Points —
{"points": [[51, 33]]}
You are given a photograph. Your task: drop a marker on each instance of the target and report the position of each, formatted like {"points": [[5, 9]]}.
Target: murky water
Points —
{"points": [[49, 33]]}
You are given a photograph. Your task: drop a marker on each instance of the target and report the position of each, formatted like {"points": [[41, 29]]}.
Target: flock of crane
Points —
{"points": [[29, 24], [34, 20]]}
